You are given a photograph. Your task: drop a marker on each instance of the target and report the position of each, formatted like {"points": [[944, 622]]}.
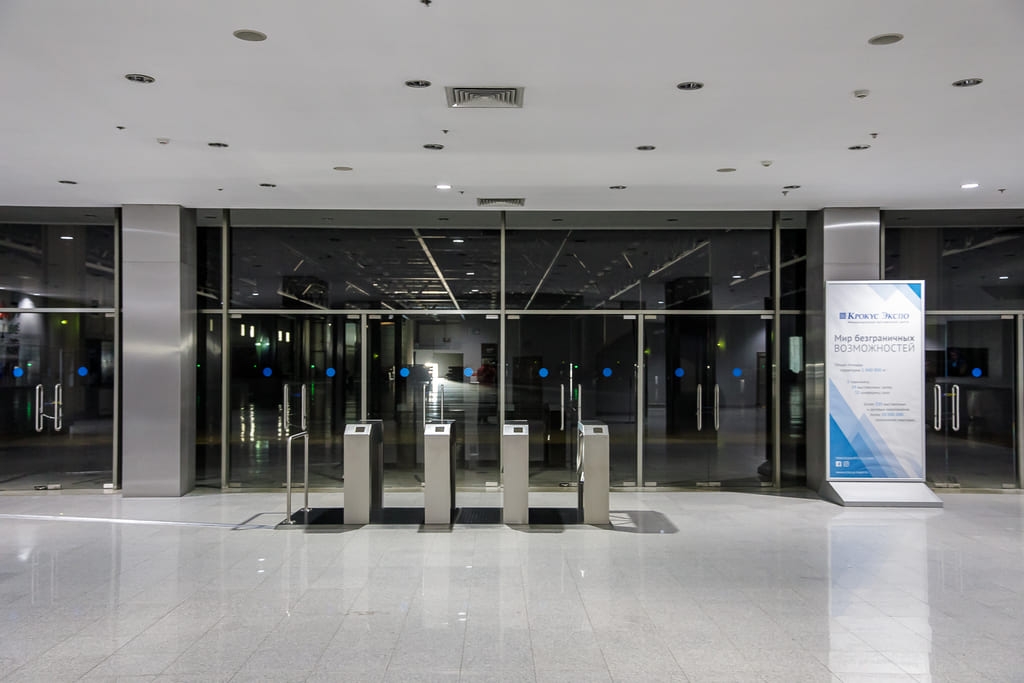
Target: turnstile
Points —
{"points": [[439, 471], [515, 464], [364, 471], [592, 463]]}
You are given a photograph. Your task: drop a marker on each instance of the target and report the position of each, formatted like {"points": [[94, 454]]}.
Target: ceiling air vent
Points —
{"points": [[498, 202], [479, 98]]}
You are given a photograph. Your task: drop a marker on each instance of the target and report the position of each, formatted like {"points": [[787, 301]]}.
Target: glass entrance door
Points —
{"points": [[270, 353], [56, 400], [970, 399], [705, 403], [433, 367], [562, 369]]}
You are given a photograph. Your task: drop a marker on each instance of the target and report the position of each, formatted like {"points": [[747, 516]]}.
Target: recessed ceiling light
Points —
{"points": [[690, 85], [616, 187], [120, 127], [433, 145], [1004, 277], [737, 277], [726, 170], [645, 148], [791, 187], [470, 273], [967, 82], [139, 78], [969, 186], [66, 237], [885, 39], [858, 148], [418, 84], [342, 168], [220, 145], [267, 185], [250, 35], [443, 186], [68, 182], [457, 240]]}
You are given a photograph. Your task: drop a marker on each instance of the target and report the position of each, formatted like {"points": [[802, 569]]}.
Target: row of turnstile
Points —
{"points": [[364, 473]]}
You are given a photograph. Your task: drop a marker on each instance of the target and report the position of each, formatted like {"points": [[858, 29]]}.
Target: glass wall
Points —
{"points": [[57, 348]]}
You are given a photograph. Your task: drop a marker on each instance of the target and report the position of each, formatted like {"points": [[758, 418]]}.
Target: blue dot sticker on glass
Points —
{"points": [[83, 371], [404, 372], [267, 372], [680, 372], [18, 372], [331, 372], [468, 372], [736, 372], [543, 372], [976, 372], [607, 372]]}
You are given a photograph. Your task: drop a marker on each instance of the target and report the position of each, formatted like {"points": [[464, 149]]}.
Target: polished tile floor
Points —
{"points": [[697, 586]]}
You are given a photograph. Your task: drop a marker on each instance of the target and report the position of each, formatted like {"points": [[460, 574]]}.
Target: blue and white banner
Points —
{"points": [[874, 365]]}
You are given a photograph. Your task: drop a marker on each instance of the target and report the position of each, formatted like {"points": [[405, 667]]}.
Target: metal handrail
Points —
{"points": [[288, 480]]}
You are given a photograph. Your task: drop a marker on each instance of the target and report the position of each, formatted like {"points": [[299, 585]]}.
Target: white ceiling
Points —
{"points": [[327, 89]]}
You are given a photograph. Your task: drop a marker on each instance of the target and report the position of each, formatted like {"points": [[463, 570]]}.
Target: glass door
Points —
{"points": [[970, 398], [706, 401], [272, 358], [56, 400], [562, 369], [434, 367]]}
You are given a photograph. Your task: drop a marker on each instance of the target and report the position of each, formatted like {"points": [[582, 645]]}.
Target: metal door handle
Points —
{"points": [[716, 407], [937, 407], [58, 407], [579, 402], [424, 405], [441, 389], [39, 407], [561, 406], [700, 407], [956, 408], [285, 405], [302, 415]]}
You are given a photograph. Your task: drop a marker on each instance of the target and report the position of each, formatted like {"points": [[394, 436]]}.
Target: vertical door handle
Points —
{"points": [[303, 423], [716, 407], [936, 407], [956, 408], [579, 402], [286, 419], [39, 407], [700, 407], [441, 389], [58, 407], [561, 405], [424, 405]]}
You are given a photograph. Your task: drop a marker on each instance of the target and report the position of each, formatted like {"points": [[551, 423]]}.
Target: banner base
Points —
{"points": [[911, 494]]}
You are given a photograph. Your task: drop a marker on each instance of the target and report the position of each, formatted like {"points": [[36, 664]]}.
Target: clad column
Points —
{"points": [[158, 350]]}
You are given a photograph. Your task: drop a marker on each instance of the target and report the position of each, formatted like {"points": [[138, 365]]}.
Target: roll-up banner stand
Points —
{"points": [[874, 369]]}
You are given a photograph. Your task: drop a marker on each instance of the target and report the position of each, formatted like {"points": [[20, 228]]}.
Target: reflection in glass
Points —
{"points": [[75, 351], [707, 392], [562, 369], [269, 352], [634, 269], [970, 402], [429, 368], [56, 265], [411, 268], [208, 401]]}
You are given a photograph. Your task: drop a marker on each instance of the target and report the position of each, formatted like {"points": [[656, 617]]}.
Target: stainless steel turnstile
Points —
{"points": [[439, 471], [364, 471], [592, 471], [515, 464]]}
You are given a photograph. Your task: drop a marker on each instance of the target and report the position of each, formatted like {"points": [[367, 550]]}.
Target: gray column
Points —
{"points": [[158, 362], [842, 244]]}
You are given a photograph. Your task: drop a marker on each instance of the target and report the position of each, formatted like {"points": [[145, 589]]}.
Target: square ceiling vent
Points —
{"points": [[484, 98]]}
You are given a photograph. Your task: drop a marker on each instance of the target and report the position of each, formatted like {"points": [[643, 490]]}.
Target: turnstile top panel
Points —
{"points": [[359, 428], [593, 428], [516, 428], [437, 429]]}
